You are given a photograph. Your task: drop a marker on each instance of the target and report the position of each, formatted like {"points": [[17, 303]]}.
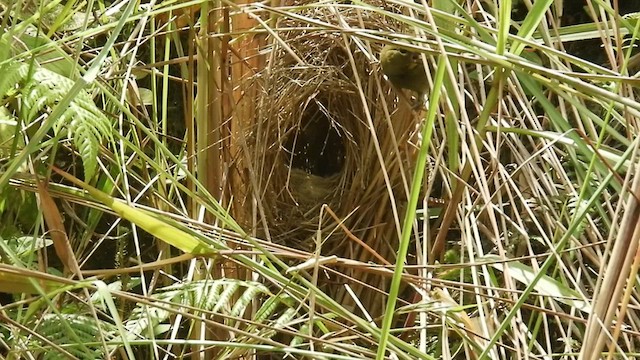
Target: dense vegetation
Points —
{"points": [[237, 180]]}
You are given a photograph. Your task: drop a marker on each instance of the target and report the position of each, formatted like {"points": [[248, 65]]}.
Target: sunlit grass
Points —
{"points": [[202, 232]]}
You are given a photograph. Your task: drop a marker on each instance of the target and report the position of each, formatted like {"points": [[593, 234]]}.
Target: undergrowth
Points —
{"points": [[239, 180]]}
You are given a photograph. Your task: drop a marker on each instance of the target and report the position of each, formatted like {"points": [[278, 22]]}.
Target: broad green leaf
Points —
{"points": [[546, 286], [155, 226]]}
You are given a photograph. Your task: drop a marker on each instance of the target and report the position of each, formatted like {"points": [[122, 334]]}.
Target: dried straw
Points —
{"points": [[312, 142]]}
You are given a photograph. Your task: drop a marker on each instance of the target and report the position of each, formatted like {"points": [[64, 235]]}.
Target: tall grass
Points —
{"points": [[239, 180]]}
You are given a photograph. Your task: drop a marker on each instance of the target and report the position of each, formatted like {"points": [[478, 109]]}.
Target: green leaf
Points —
{"points": [[42, 89], [547, 285], [160, 228]]}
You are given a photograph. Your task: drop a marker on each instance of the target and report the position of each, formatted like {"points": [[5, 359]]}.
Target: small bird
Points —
{"points": [[404, 68]]}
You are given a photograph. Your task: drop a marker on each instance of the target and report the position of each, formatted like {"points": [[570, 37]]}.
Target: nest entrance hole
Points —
{"points": [[317, 146]]}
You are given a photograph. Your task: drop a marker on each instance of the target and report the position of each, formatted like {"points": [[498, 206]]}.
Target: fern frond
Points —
{"points": [[13, 73], [226, 296], [212, 296], [83, 331], [241, 304], [82, 121]]}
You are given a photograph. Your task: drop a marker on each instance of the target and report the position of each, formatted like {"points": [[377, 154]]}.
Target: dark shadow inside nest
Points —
{"points": [[317, 146], [316, 151]]}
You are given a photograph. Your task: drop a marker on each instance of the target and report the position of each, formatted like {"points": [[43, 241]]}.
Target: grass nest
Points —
{"points": [[330, 130], [313, 136]]}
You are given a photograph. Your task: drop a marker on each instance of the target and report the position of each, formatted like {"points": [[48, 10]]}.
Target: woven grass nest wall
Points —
{"points": [[324, 109]]}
